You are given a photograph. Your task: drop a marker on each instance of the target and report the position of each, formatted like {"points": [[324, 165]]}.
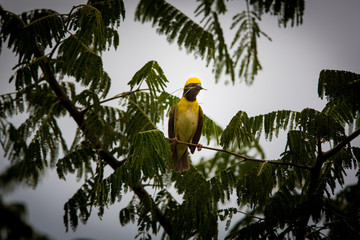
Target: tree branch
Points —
{"points": [[81, 122], [121, 95], [250, 215], [124, 94], [338, 147], [246, 158], [315, 175], [141, 193]]}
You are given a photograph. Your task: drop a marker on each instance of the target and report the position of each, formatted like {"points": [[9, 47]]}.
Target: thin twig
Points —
{"points": [[66, 23], [121, 95], [249, 215], [124, 94], [246, 158], [151, 185]]}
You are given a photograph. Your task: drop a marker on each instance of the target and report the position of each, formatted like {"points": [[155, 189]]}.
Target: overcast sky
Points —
{"points": [[328, 39]]}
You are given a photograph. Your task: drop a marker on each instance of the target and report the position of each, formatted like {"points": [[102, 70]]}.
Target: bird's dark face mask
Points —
{"points": [[192, 90]]}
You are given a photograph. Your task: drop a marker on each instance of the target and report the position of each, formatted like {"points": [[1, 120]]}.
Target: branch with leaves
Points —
{"points": [[245, 158], [82, 123], [76, 53]]}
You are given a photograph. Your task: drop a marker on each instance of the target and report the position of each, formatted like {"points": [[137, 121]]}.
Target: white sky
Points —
{"points": [[328, 39]]}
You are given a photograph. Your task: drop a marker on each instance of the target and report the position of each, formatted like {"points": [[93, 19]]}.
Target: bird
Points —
{"points": [[185, 124]]}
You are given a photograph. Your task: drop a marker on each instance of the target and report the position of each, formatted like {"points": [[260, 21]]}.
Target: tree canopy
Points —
{"points": [[60, 73]]}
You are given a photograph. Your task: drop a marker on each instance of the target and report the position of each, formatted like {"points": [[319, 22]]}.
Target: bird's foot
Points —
{"points": [[199, 147], [174, 140]]}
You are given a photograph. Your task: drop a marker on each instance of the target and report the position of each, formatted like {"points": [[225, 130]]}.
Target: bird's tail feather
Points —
{"points": [[181, 163]]}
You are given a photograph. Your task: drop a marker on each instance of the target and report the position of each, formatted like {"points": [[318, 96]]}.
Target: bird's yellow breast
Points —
{"points": [[186, 119]]}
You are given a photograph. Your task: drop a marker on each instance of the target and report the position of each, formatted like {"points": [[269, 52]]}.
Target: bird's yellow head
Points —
{"points": [[194, 80], [192, 88]]}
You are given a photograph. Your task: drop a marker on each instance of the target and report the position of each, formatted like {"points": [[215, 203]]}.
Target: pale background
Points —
{"points": [[328, 39]]}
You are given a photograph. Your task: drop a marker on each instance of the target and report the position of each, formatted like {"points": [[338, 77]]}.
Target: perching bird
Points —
{"points": [[185, 124]]}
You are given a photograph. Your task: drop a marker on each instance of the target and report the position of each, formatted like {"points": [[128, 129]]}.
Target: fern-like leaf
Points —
{"points": [[35, 28], [246, 39], [223, 58], [80, 61], [149, 152], [112, 11], [177, 26], [152, 74], [77, 160], [197, 209], [273, 122], [340, 87], [78, 206], [238, 130], [137, 119], [287, 11], [255, 183], [322, 125], [211, 130]]}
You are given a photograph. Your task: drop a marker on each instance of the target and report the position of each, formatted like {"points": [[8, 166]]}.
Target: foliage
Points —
{"points": [[13, 225], [285, 10], [293, 196], [206, 38]]}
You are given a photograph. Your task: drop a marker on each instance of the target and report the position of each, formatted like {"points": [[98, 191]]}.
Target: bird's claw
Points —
{"points": [[199, 147]]}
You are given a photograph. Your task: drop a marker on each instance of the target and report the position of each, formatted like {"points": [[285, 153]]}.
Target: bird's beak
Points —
{"points": [[199, 87]]}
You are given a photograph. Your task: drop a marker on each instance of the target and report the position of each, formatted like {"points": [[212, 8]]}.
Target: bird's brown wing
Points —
{"points": [[171, 130], [197, 135]]}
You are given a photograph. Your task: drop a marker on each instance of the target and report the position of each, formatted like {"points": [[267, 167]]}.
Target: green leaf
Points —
{"points": [[222, 59], [77, 160], [153, 76], [177, 26], [91, 27], [137, 119], [286, 11], [323, 125], [10, 106], [80, 61], [197, 209], [237, 131], [33, 29], [301, 148], [79, 206], [255, 183], [29, 169], [111, 11], [211, 130], [149, 152], [340, 87], [272, 123], [127, 215], [246, 40]]}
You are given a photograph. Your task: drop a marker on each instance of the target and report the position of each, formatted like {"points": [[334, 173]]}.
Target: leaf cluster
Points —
{"points": [[288, 196], [206, 38], [285, 10], [13, 224]]}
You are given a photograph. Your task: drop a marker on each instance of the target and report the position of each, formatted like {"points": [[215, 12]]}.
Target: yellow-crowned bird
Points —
{"points": [[185, 124]]}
